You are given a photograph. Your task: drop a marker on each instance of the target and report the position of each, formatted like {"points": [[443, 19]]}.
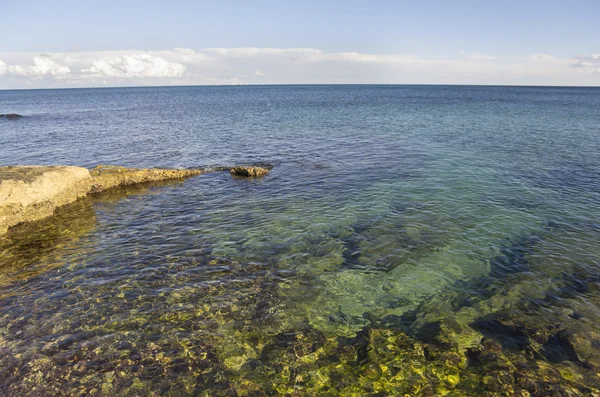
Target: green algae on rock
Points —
{"points": [[238, 335]]}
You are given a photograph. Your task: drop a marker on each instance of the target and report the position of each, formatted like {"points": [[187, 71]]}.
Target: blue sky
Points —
{"points": [[508, 31]]}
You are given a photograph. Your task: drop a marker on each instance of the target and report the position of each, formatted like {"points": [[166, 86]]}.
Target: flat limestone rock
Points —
{"points": [[249, 171], [108, 177], [30, 193]]}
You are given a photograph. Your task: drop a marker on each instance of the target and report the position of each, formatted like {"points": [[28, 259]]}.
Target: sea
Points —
{"points": [[409, 240]]}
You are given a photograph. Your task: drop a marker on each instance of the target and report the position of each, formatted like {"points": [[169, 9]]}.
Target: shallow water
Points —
{"points": [[412, 240]]}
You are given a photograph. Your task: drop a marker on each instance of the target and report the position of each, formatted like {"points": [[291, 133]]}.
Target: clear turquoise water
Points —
{"points": [[456, 217]]}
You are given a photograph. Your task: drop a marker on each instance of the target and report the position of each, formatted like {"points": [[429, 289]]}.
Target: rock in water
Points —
{"points": [[29, 193], [10, 116], [248, 171], [108, 177]]}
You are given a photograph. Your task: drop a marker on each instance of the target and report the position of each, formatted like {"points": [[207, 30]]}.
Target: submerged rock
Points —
{"points": [[249, 171], [10, 116]]}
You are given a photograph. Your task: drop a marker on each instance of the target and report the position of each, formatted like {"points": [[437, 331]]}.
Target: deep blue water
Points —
{"points": [[391, 207]]}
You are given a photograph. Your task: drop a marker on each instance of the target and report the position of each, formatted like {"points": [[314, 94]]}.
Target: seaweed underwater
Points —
{"points": [[200, 324], [432, 245]]}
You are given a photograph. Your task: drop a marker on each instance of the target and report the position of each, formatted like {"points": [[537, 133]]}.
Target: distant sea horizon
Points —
{"points": [[305, 84]]}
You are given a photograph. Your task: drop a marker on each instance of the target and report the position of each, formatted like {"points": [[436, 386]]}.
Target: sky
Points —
{"points": [[56, 44]]}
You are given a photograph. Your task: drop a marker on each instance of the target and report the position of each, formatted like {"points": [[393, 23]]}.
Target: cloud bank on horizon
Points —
{"points": [[249, 65]]}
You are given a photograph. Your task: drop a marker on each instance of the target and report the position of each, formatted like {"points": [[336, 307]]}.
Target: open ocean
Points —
{"points": [[410, 240]]}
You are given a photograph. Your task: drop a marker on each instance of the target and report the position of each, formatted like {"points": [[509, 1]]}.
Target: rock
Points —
{"points": [[10, 116], [108, 177], [249, 171], [30, 193], [581, 346]]}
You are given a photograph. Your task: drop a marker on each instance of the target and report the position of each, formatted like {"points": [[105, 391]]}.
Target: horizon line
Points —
{"points": [[300, 84]]}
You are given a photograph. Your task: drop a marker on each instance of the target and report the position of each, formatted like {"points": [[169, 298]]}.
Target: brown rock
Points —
{"points": [[249, 171], [108, 177], [30, 193]]}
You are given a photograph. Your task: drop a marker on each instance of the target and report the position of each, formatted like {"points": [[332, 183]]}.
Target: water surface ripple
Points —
{"points": [[420, 240]]}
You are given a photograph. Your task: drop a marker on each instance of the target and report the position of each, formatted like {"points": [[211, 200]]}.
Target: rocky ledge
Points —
{"points": [[29, 193], [249, 171], [108, 177], [10, 116]]}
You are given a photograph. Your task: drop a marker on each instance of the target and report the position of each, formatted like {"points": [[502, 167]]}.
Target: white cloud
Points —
{"points": [[540, 56], [135, 66], [183, 56], [356, 57], [588, 62], [244, 52], [306, 55], [41, 66], [3, 67], [183, 66], [583, 64]]}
